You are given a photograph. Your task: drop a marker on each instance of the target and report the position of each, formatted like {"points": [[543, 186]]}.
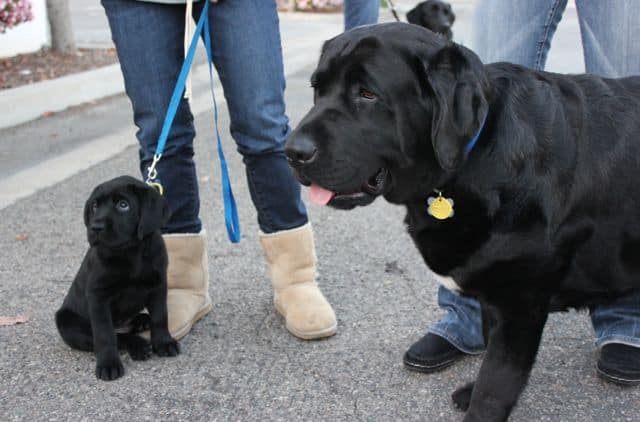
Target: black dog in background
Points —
{"points": [[434, 15], [123, 272]]}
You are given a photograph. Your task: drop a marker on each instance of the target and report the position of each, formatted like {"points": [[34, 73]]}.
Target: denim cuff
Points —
{"points": [[473, 350], [614, 338]]}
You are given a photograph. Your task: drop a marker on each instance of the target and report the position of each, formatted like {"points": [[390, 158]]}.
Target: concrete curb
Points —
{"points": [[29, 102], [55, 169]]}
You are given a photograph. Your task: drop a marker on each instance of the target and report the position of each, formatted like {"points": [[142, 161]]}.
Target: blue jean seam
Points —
{"points": [[615, 338], [545, 37], [455, 342], [262, 210]]}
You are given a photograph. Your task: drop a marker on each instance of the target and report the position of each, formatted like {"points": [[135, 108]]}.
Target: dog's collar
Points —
{"points": [[441, 207], [474, 140]]}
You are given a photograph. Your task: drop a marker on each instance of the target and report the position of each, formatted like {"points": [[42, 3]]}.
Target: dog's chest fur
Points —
{"points": [[126, 281]]}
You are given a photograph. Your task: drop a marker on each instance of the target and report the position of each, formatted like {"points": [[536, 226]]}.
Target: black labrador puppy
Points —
{"points": [[435, 15], [123, 272], [521, 187]]}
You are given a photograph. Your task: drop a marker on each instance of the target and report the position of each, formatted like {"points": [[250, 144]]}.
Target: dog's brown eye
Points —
{"points": [[122, 205], [367, 94], [94, 207]]}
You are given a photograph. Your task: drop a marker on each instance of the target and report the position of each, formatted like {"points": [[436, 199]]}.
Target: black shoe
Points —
{"points": [[431, 353], [619, 364]]}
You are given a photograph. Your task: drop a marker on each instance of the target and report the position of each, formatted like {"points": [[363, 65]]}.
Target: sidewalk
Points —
{"points": [[239, 362]]}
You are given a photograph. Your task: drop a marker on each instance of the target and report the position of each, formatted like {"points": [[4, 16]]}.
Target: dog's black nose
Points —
{"points": [[97, 226], [300, 149]]}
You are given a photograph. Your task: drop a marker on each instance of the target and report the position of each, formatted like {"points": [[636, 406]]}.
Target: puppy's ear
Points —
{"points": [[414, 16], [87, 205], [459, 87], [154, 211], [87, 211]]}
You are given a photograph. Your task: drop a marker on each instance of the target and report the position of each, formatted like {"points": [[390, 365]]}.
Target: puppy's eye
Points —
{"points": [[366, 94], [122, 205], [94, 207]]}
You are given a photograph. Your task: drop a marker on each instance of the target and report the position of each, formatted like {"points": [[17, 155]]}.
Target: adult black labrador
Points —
{"points": [[435, 15], [521, 187], [123, 272]]}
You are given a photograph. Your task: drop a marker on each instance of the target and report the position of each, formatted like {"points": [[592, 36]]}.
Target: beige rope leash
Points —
{"points": [[188, 34]]}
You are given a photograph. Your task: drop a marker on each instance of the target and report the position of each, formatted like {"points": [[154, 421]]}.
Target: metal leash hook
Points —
{"points": [[152, 174]]}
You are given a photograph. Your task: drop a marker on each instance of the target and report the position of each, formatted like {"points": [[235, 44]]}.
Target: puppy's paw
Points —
{"points": [[462, 396], [109, 369], [167, 348], [138, 348], [140, 323]]}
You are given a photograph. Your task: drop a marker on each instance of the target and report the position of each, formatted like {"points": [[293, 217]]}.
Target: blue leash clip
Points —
{"points": [[230, 209]]}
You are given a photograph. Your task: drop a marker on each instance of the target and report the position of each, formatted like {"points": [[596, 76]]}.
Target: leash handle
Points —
{"points": [[230, 208]]}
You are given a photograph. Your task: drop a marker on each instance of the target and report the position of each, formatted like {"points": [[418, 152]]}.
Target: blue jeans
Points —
{"points": [[360, 12], [520, 31], [247, 55]]}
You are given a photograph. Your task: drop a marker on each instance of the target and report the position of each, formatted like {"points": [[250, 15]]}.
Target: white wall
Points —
{"points": [[27, 37]]}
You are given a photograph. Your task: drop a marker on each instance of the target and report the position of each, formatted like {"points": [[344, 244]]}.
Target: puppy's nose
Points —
{"points": [[97, 226], [300, 149]]}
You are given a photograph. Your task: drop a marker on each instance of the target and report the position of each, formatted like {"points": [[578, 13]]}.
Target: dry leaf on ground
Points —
{"points": [[13, 320]]}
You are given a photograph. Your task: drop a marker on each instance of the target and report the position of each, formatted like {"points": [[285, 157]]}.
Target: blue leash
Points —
{"points": [[230, 209]]}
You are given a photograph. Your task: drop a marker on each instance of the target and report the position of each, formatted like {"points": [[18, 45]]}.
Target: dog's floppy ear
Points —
{"points": [[460, 106], [414, 16], [154, 211], [87, 211], [87, 206]]}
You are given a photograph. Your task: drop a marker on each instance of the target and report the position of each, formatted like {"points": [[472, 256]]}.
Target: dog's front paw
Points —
{"points": [[167, 348], [462, 396], [109, 369], [138, 348]]}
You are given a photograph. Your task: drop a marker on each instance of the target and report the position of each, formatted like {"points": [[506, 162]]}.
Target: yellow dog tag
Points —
{"points": [[440, 207], [157, 187]]}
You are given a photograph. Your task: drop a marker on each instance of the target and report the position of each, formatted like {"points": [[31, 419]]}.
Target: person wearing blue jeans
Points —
{"points": [[520, 31], [149, 38], [360, 12]]}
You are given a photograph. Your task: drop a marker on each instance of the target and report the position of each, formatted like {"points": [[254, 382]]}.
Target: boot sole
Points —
{"points": [[429, 368], [308, 335], [206, 308], [616, 379]]}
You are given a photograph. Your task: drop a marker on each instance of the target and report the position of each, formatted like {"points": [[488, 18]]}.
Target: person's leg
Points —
{"points": [[458, 332], [149, 41], [360, 12], [517, 31], [611, 42], [248, 57], [610, 36], [617, 327]]}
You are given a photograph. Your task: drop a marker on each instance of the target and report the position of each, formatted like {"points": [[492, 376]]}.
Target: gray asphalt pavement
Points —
{"points": [[239, 362]]}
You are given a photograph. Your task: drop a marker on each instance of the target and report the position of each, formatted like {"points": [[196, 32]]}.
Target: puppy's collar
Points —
{"points": [[474, 140]]}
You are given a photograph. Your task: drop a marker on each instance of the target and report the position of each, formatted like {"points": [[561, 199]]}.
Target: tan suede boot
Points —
{"points": [[188, 297], [292, 267]]}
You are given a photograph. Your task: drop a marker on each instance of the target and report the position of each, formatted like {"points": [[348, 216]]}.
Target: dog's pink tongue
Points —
{"points": [[320, 195]]}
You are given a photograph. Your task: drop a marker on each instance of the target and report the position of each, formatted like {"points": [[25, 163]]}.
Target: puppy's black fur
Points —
{"points": [[123, 272], [434, 15], [546, 203]]}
